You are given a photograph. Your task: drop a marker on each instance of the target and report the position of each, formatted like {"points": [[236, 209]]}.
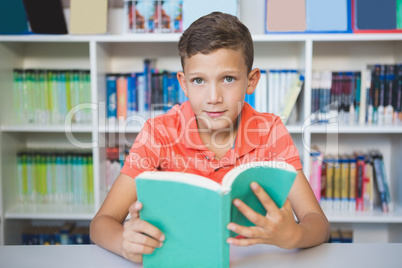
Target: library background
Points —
{"points": [[79, 78]]}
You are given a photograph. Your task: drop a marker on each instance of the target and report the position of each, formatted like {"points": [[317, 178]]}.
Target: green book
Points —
{"points": [[399, 14], [193, 211]]}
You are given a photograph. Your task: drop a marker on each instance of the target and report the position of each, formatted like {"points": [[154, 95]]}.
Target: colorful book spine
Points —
{"points": [[360, 165], [344, 163], [379, 177], [46, 96], [330, 182], [337, 185], [111, 96], [386, 14], [121, 90], [352, 184], [315, 174], [46, 177], [368, 189], [132, 98]]}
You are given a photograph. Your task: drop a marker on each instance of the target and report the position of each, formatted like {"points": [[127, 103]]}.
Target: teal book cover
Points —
{"points": [[193, 211], [13, 19]]}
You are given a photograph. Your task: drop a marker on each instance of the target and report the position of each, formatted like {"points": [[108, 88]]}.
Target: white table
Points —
{"points": [[326, 255]]}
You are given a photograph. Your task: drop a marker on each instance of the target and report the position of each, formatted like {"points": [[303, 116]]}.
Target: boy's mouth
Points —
{"points": [[214, 114]]}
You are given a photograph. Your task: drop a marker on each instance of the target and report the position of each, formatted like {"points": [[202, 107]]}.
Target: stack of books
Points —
{"points": [[55, 178], [355, 182], [46, 96]]}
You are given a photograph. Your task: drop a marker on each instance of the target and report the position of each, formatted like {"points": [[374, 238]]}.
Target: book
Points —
{"points": [[121, 91], [111, 96], [46, 16], [290, 98], [88, 16], [193, 9], [285, 16], [13, 19], [370, 15], [327, 15], [193, 211], [315, 173]]}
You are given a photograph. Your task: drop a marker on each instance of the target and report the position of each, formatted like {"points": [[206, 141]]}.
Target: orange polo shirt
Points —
{"points": [[171, 142]]}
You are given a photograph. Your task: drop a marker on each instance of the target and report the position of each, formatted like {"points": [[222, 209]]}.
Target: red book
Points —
{"points": [[121, 90], [360, 166]]}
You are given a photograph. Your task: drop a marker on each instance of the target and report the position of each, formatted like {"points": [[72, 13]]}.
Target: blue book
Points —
{"points": [[194, 9], [111, 96], [148, 66], [327, 15], [375, 15], [13, 19], [132, 99], [166, 89]]}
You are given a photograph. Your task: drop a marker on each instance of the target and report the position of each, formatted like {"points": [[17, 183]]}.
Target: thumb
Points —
{"points": [[287, 205], [134, 209]]}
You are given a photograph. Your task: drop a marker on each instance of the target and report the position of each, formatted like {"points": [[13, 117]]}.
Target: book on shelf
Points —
{"points": [[308, 16], [47, 96], [46, 16], [368, 97], [88, 16], [341, 236], [193, 211], [284, 87], [13, 19], [115, 157], [194, 9], [154, 91], [55, 177], [386, 14], [315, 173], [352, 182], [147, 93], [67, 234], [153, 16]]}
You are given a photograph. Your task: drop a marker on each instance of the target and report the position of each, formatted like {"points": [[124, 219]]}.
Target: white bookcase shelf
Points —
{"points": [[375, 216], [103, 54], [50, 212], [47, 128]]}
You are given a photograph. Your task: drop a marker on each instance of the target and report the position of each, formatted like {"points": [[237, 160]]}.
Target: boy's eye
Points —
{"points": [[228, 79], [198, 81]]}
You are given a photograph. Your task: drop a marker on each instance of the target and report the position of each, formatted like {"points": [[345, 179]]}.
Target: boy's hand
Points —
{"points": [[278, 227], [139, 237]]}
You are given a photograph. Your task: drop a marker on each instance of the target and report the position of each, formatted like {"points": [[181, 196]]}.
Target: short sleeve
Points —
{"points": [[282, 146], [144, 153]]}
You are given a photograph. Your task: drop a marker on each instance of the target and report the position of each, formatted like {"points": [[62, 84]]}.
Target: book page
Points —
{"points": [[182, 177]]}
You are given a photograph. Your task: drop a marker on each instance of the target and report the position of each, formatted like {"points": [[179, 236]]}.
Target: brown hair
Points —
{"points": [[213, 31]]}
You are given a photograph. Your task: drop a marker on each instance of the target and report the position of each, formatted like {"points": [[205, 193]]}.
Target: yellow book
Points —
{"points": [[88, 16]]}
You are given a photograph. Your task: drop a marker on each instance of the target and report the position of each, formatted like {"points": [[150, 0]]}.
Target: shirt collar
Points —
{"points": [[248, 137]]}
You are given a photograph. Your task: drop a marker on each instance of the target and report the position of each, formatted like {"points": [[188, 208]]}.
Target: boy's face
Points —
{"points": [[216, 85]]}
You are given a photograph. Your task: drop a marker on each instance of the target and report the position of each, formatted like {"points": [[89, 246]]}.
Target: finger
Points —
{"points": [[134, 209], [287, 205], [133, 257], [138, 238], [243, 241], [248, 232], [146, 228], [264, 198], [249, 213], [132, 248]]}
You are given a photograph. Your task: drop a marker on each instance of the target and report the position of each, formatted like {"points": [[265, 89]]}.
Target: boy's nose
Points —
{"points": [[214, 95]]}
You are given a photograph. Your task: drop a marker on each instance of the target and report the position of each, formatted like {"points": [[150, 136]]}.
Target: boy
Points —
{"points": [[209, 135]]}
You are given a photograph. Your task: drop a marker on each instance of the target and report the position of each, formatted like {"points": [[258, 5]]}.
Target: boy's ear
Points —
{"points": [[253, 78], [182, 80]]}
